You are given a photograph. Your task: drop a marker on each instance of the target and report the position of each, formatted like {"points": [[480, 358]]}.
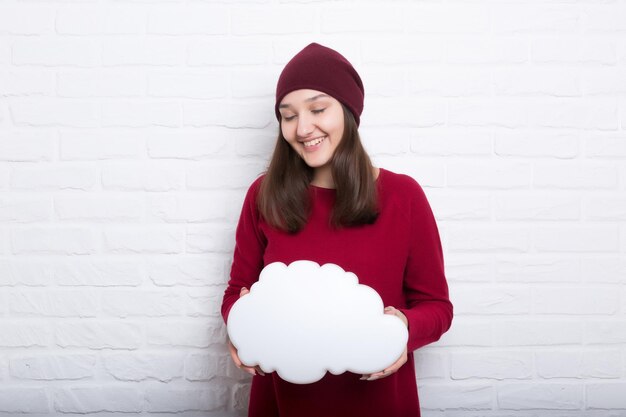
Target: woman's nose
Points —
{"points": [[305, 126]]}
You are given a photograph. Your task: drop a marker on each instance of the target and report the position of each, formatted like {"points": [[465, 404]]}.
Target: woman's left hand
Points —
{"points": [[403, 358]]}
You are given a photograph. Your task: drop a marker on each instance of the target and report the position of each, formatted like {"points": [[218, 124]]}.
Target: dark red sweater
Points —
{"points": [[400, 256]]}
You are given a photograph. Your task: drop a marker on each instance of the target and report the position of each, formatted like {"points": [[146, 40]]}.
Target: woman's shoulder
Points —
{"points": [[405, 191], [398, 182]]}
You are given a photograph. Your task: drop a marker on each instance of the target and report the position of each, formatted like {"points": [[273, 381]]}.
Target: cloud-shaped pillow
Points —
{"points": [[305, 319]]}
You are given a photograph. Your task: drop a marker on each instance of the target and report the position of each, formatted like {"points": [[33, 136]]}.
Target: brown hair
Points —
{"points": [[284, 200]]}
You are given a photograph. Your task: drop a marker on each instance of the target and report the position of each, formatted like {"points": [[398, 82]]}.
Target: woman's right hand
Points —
{"points": [[252, 370]]}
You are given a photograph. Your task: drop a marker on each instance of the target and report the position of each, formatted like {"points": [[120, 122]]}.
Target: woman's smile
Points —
{"points": [[314, 144], [312, 123]]}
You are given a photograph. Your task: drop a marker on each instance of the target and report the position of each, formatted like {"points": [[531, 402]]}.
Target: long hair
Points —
{"points": [[284, 200]]}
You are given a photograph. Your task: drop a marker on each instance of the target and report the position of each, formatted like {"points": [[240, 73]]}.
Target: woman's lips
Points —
{"points": [[313, 144]]}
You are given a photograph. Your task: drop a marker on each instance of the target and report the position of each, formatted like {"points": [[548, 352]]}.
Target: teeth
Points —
{"points": [[314, 141]]}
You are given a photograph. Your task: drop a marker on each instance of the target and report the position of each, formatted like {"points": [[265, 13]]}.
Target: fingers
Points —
{"points": [[248, 369], [252, 370], [384, 373], [233, 354], [387, 371], [378, 375], [373, 377], [394, 311], [397, 364]]}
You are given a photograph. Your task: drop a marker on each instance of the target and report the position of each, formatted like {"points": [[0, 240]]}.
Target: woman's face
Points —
{"points": [[312, 123]]}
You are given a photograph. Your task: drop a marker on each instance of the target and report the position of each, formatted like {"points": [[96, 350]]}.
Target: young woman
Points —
{"points": [[321, 199]]}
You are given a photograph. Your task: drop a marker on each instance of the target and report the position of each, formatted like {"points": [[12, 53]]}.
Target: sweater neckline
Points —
{"points": [[334, 190]]}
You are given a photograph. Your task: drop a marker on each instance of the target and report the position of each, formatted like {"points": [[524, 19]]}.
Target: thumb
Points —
{"points": [[397, 313]]}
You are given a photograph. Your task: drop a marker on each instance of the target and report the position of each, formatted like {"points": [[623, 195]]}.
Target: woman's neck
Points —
{"points": [[323, 177]]}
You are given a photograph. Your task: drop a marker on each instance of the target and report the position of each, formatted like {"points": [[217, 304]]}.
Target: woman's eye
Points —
{"points": [[288, 118]]}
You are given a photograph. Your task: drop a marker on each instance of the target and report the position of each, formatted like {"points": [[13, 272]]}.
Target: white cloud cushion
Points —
{"points": [[305, 319]]}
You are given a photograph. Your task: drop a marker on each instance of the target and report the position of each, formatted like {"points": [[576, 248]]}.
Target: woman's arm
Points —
{"points": [[429, 310], [248, 255]]}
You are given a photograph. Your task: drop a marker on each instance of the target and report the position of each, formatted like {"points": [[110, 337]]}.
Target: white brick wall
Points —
{"points": [[129, 132]]}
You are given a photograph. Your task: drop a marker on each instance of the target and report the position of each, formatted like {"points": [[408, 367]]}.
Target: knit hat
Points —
{"points": [[318, 67]]}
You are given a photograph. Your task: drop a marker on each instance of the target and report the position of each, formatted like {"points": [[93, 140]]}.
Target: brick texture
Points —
{"points": [[129, 132]]}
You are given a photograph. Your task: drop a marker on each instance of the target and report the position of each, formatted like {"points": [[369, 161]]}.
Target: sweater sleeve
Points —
{"points": [[249, 247], [429, 310]]}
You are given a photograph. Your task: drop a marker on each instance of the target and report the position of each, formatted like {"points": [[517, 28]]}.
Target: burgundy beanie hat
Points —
{"points": [[318, 67]]}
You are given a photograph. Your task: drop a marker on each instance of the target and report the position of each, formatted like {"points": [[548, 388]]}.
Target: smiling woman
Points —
{"points": [[322, 200], [313, 126], [318, 145]]}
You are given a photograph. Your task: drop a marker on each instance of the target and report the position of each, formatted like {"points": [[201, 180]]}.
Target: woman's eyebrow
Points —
{"points": [[308, 99]]}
